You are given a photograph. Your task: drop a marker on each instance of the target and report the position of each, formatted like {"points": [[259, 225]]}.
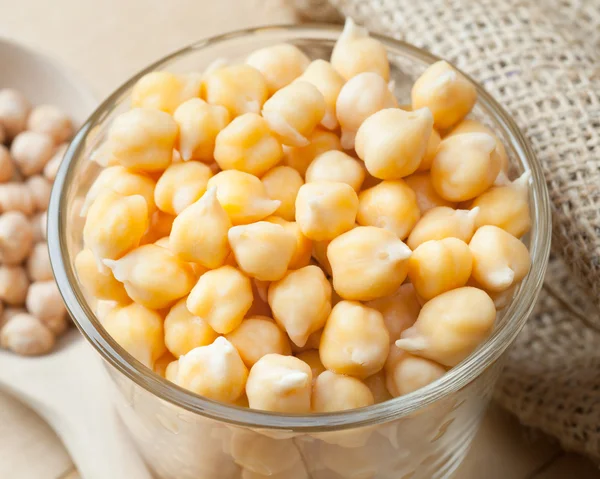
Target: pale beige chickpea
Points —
{"points": [[164, 91], [52, 121], [31, 151], [282, 183], [450, 326], [303, 251], [26, 335], [7, 168], [184, 331], [40, 189], [247, 144], [16, 197], [199, 124], [14, 285], [399, 310], [14, 110], [45, 303], [280, 383], [38, 227], [336, 392], [355, 340], [280, 64], [326, 209], [405, 373], [51, 168], [427, 197], [100, 283], [301, 157], [312, 358], [465, 166], [291, 310], [367, 263], [336, 166], [443, 222], [16, 237], [376, 383], [391, 205], [38, 263], [393, 142], [499, 259], [361, 97], [181, 185], [447, 93]]}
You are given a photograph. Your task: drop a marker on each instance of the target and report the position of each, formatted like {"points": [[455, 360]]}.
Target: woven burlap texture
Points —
{"points": [[541, 60]]}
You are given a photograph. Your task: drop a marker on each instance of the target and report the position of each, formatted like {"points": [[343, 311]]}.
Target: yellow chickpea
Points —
{"points": [[303, 251], [450, 326], [447, 93], [280, 64], [280, 384], [391, 205], [432, 145], [160, 227], [313, 341], [300, 157], [367, 263], [162, 363], [181, 185], [399, 310], [355, 340], [222, 297], [377, 386], [143, 139], [184, 331], [319, 253], [288, 301], [312, 358], [164, 91], [438, 266], [443, 222], [260, 305], [242, 196], [335, 392], [326, 209], [393, 142], [282, 183], [499, 259], [99, 283], [199, 124], [336, 166], [239, 88], [427, 197], [405, 373]]}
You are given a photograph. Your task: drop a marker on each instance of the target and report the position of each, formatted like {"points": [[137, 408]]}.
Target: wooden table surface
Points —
{"points": [[106, 41]]}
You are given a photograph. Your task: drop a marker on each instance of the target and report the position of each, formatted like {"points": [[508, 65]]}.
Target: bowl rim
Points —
{"points": [[454, 380]]}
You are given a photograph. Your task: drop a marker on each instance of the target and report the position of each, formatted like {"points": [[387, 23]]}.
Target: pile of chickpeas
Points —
{"points": [[280, 234], [32, 143]]}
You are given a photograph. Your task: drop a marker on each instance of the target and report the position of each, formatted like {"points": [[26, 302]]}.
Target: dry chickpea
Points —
{"points": [[311, 357], [288, 301], [184, 331], [355, 52], [335, 392], [450, 326], [14, 284], [100, 284], [303, 251], [280, 384], [376, 383], [399, 311], [199, 124], [405, 373], [38, 263], [447, 93], [282, 183], [355, 340], [336, 166], [280, 64], [247, 144], [39, 188], [326, 209], [465, 166], [239, 88], [181, 185], [16, 237], [243, 196], [45, 303], [367, 263], [427, 197], [31, 151], [162, 363], [164, 91], [25, 334], [263, 250], [52, 121], [14, 109], [443, 222], [9, 312], [7, 168], [16, 197], [300, 157], [160, 226], [391, 205], [361, 97], [38, 227], [499, 259], [143, 139]]}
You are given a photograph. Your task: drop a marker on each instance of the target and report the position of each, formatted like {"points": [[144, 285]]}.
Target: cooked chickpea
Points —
{"points": [[355, 340], [162, 363], [247, 144], [184, 331], [313, 341], [391, 205], [181, 185], [319, 253], [25, 334], [45, 303], [499, 259], [143, 139], [38, 263], [160, 226], [303, 251], [405, 373], [336, 166], [311, 357], [450, 326], [260, 306], [164, 91], [16, 237], [300, 157], [243, 196], [361, 97], [367, 263], [448, 94], [31, 151], [335, 392], [280, 64], [282, 183], [16, 197], [40, 189], [377, 386], [14, 285], [427, 197], [280, 383], [288, 301], [52, 121], [7, 168], [432, 145], [239, 88], [256, 337], [99, 283], [14, 109], [443, 222], [222, 297], [399, 311], [326, 209]]}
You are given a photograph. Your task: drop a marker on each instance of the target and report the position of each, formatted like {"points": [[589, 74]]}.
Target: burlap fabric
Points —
{"points": [[541, 60]]}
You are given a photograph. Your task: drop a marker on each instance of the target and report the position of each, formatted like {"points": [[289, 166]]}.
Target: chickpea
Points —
{"points": [[31, 151], [448, 94], [300, 157], [40, 189], [143, 139], [303, 250], [98, 283], [450, 326], [367, 263], [336, 166], [52, 121], [399, 311], [280, 384], [16, 237], [355, 52], [427, 197], [164, 91], [14, 109], [25, 334], [160, 227], [288, 301], [38, 227], [355, 340], [361, 97], [319, 253], [391, 205], [313, 341], [243, 196], [138, 330], [162, 363], [326, 209], [239, 88], [14, 284], [3, 135], [282, 183], [181, 185], [184, 331], [377, 386], [262, 250], [260, 306], [335, 392], [432, 145], [16, 197], [7, 168], [247, 144], [499, 259], [280, 64], [311, 357], [443, 222], [171, 371], [465, 166], [38, 263], [405, 373], [8, 313], [45, 303]]}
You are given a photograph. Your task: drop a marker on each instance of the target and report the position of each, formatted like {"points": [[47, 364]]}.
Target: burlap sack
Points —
{"points": [[541, 60]]}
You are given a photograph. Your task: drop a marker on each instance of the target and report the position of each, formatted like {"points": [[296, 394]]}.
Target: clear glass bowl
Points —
{"points": [[423, 435]]}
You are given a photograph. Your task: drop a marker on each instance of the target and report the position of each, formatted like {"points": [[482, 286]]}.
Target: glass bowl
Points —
{"points": [[424, 434]]}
